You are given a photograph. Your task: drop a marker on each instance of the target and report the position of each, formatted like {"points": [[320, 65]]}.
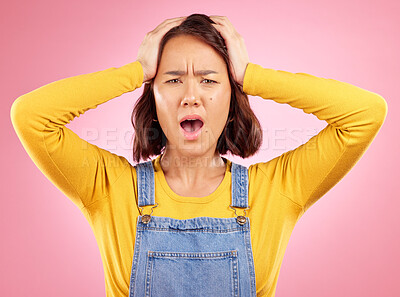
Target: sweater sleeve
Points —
{"points": [[353, 115], [82, 171]]}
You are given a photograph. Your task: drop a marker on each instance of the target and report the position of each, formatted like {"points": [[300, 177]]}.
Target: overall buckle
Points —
{"points": [[241, 220], [147, 217]]}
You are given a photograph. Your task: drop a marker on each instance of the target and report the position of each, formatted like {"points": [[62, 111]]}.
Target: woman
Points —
{"points": [[191, 222]]}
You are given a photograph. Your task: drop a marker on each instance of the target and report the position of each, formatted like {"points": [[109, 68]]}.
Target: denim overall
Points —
{"points": [[201, 256]]}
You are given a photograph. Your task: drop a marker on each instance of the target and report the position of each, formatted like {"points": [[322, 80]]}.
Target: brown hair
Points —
{"points": [[242, 134]]}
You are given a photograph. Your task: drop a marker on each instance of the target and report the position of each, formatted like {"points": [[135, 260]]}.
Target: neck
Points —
{"points": [[191, 169]]}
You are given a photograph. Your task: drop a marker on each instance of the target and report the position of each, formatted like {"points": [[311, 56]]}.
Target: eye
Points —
{"points": [[171, 80], [210, 81]]}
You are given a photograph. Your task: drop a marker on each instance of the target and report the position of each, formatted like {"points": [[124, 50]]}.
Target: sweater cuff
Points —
{"points": [[249, 84], [136, 73]]}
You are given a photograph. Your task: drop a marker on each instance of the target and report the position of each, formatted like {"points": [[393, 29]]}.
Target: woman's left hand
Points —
{"points": [[235, 44]]}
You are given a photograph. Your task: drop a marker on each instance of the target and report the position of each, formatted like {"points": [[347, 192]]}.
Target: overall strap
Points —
{"points": [[240, 182], [145, 182]]}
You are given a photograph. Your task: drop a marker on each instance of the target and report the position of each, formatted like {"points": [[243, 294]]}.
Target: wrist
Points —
{"points": [[145, 76]]}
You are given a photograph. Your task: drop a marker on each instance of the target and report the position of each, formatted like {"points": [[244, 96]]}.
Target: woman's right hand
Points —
{"points": [[148, 50]]}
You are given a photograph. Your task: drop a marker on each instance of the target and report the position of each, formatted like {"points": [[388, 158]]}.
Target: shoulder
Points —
{"points": [[264, 170]]}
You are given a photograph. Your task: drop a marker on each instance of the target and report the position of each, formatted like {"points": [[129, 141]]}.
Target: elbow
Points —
{"points": [[380, 111], [15, 111], [18, 113]]}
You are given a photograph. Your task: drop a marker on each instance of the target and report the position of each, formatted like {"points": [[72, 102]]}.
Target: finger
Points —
{"points": [[227, 29], [221, 19], [168, 24], [173, 20], [221, 29], [216, 17], [224, 21]]}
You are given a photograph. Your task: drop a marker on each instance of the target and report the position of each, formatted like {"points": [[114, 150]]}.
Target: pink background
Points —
{"points": [[347, 244]]}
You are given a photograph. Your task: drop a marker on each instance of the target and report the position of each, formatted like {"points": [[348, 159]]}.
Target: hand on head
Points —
{"points": [[148, 50], [235, 44]]}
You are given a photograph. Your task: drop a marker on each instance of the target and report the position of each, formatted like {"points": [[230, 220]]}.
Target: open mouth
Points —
{"points": [[191, 128], [191, 125]]}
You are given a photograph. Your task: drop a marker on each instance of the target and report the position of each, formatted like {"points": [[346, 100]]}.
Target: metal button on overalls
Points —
{"points": [[201, 256]]}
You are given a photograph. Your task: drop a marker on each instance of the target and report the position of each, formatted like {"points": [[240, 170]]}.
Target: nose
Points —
{"points": [[191, 95]]}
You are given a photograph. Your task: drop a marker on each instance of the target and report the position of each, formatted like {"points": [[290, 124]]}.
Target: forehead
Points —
{"points": [[186, 51]]}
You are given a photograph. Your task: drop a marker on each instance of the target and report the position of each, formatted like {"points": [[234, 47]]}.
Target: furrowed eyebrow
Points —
{"points": [[199, 72]]}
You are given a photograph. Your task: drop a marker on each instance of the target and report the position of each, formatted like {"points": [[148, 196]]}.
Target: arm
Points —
{"points": [[82, 171], [354, 117]]}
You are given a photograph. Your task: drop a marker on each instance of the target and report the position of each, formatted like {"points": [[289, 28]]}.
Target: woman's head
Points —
{"points": [[229, 124]]}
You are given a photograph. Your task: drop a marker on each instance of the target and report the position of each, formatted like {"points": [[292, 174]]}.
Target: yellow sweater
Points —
{"points": [[103, 185]]}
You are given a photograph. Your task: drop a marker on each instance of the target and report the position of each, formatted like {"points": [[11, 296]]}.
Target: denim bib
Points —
{"points": [[201, 256]]}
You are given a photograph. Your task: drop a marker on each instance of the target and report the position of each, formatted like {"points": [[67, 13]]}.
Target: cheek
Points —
{"points": [[162, 112], [165, 114], [161, 101], [219, 109]]}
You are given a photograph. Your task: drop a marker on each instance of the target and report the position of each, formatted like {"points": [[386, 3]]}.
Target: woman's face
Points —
{"points": [[199, 86]]}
